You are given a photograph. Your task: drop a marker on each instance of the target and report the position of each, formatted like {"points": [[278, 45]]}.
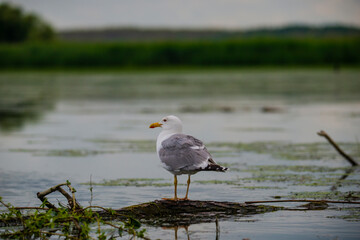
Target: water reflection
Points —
{"points": [[186, 228], [347, 173], [176, 228], [15, 117], [99, 128], [25, 97], [22, 103]]}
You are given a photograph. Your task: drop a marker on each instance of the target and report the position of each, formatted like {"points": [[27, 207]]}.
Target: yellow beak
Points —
{"points": [[154, 125]]}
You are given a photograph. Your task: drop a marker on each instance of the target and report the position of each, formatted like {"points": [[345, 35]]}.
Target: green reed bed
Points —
{"points": [[226, 53]]}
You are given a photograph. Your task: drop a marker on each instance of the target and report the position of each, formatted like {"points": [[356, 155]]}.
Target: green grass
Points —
{"points": [[229, 53]]}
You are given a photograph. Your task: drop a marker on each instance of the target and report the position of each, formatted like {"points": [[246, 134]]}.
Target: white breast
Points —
{"points": [[162, 136]]}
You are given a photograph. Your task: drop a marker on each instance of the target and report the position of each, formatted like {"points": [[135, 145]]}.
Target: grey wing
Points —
{"points": [[182, 152]]}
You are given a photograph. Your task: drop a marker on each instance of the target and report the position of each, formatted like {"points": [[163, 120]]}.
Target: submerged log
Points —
{"points": [[168, 213], [164, 213]]}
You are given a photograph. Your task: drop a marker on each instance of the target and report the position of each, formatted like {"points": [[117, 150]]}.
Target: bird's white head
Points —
{"points": [[169, 123]]}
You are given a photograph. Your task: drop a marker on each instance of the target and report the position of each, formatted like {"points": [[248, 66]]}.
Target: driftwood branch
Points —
{"points": [[340, 151], [31, 208], [5, 205], [165, 213], [71, 199]]}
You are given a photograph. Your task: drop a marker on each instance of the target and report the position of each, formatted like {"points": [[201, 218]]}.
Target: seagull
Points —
{"points": [[182, 154]]}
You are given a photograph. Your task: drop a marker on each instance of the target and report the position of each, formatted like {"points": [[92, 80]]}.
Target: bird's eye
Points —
{"points": [[164, 120]]}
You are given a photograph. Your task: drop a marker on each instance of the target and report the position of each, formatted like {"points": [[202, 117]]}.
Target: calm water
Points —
{"points": [[76, 126]]}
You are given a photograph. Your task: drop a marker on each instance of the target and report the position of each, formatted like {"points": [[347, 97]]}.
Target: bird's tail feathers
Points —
{"points": [[215, 167]]}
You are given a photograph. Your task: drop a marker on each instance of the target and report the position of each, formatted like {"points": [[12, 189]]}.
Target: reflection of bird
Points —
{"points": [[180, 153]]}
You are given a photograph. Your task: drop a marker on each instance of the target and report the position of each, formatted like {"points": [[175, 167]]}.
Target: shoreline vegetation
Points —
{"points": [[162, 70], [29, 42], [142, 34], [333, 53]]}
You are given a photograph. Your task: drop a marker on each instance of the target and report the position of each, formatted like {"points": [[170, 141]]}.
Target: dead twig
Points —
{"points": [[105, 209], [91, 191], [9, 207], [217, 237], [31, 208], [43, 199], [50, 190], [76, 223], [340, 151], [74, 203], [5, 205], [71, 199]]}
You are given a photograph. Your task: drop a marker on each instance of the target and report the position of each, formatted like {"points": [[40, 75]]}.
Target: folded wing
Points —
{"points": [[184, 153]]}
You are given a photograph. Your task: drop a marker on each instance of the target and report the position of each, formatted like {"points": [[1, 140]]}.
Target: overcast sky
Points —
{"points": [[67, 14]]}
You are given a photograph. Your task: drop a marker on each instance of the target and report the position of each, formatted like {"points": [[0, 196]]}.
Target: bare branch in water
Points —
{"points": [[340, 151]]}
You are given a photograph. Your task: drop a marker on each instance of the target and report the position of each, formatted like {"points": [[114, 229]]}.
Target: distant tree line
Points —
{"points": [[159, 34], [245, 52], [17, 26]]}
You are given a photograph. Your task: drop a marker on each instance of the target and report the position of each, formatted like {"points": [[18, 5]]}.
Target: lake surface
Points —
{"points": [[84, 126]]}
